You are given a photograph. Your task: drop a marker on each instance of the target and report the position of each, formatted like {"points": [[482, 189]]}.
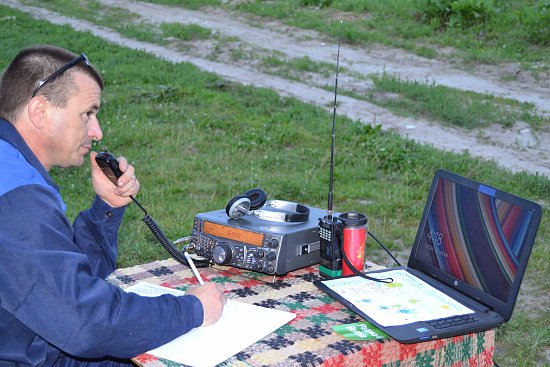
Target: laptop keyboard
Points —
{"points": [[451, 321]]}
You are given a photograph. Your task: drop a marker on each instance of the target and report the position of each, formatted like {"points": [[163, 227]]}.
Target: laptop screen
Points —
{"points": [[477, 235]]}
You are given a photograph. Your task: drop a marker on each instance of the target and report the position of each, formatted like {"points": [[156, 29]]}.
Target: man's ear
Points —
{"points": [[37, 109]]}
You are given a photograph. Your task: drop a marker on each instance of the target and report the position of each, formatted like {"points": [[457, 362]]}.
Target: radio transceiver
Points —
{"points": [[255, 244]]}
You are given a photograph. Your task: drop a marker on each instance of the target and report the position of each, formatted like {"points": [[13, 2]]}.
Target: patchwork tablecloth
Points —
{"points": [[308, 340]]}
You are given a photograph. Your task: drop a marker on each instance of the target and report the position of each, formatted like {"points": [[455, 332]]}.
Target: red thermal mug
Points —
{"points": [[355, 235]]}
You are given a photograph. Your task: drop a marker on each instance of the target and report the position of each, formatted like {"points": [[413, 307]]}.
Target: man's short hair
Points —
{"points": [[28, 68]]}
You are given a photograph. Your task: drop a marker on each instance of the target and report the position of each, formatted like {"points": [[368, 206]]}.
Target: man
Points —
{"points": [[56, 308]]}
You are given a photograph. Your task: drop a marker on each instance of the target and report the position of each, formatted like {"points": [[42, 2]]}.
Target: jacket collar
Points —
{"points": [[9, 133]]}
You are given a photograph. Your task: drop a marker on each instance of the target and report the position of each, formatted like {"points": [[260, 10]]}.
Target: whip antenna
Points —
{"points": [[331, 179]]}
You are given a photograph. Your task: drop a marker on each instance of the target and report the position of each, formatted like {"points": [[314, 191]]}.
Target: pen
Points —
{"points": [[193, 268]]}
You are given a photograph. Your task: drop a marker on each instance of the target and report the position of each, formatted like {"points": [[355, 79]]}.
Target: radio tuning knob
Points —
{"points": [[273, 243], [222, 253], [271, 256]]}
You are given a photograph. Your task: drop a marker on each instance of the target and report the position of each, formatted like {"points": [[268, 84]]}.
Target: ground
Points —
{"points": [[518, 148]]}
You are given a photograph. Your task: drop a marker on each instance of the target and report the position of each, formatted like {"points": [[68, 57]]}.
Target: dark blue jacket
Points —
{"points": [[53, 294]]}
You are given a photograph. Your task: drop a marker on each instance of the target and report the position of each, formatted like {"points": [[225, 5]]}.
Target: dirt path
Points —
{"points": [[517, 148]]}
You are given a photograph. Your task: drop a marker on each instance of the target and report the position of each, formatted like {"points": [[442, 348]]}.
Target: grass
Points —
{"points": [[197, 140], [185, 32], [450, 106]]}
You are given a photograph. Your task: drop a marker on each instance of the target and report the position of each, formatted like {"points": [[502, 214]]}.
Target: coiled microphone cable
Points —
{"points": [[165, 242], [109, 165]]}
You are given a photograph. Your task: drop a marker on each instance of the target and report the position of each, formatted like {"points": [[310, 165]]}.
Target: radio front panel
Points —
{"points": [[236, 247], [255, 244]]}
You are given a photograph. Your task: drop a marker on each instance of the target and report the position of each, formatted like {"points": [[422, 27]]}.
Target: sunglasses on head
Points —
{"points": [[63, 69]]}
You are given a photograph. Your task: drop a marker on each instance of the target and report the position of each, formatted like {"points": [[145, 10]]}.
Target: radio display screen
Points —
{"points": [[231, 233]]}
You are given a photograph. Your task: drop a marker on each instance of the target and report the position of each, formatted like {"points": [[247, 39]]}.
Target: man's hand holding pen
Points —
{"points": [[212, 297]]}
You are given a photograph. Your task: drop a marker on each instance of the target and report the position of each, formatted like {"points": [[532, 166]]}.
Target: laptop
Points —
{"points": [[464, 270]]}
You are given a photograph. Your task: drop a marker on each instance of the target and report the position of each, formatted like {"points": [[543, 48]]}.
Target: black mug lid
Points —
{"points": [[353, 218]]}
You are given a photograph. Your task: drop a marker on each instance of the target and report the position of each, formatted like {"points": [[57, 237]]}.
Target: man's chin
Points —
{"points": [[77, 162]]}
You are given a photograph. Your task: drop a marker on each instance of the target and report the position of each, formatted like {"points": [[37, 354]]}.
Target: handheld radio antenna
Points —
{"points": [[331, 179], [331, 230]]}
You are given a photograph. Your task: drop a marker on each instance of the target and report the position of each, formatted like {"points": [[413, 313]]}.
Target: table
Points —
{"points": [[308, 340]]}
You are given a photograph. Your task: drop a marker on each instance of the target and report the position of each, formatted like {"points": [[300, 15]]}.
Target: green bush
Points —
{"points": [[456, 13], [536, 21]]}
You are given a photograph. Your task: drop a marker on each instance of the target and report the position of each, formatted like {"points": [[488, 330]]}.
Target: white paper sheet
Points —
{"points": [[240, 325], [406, 300]]}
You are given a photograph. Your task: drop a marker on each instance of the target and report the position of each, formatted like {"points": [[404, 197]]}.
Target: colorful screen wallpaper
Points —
{"points": [[475, 237]]}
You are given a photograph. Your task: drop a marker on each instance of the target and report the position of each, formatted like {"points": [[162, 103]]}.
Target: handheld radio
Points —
{"points": [[330, 240], [330, 228]]}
